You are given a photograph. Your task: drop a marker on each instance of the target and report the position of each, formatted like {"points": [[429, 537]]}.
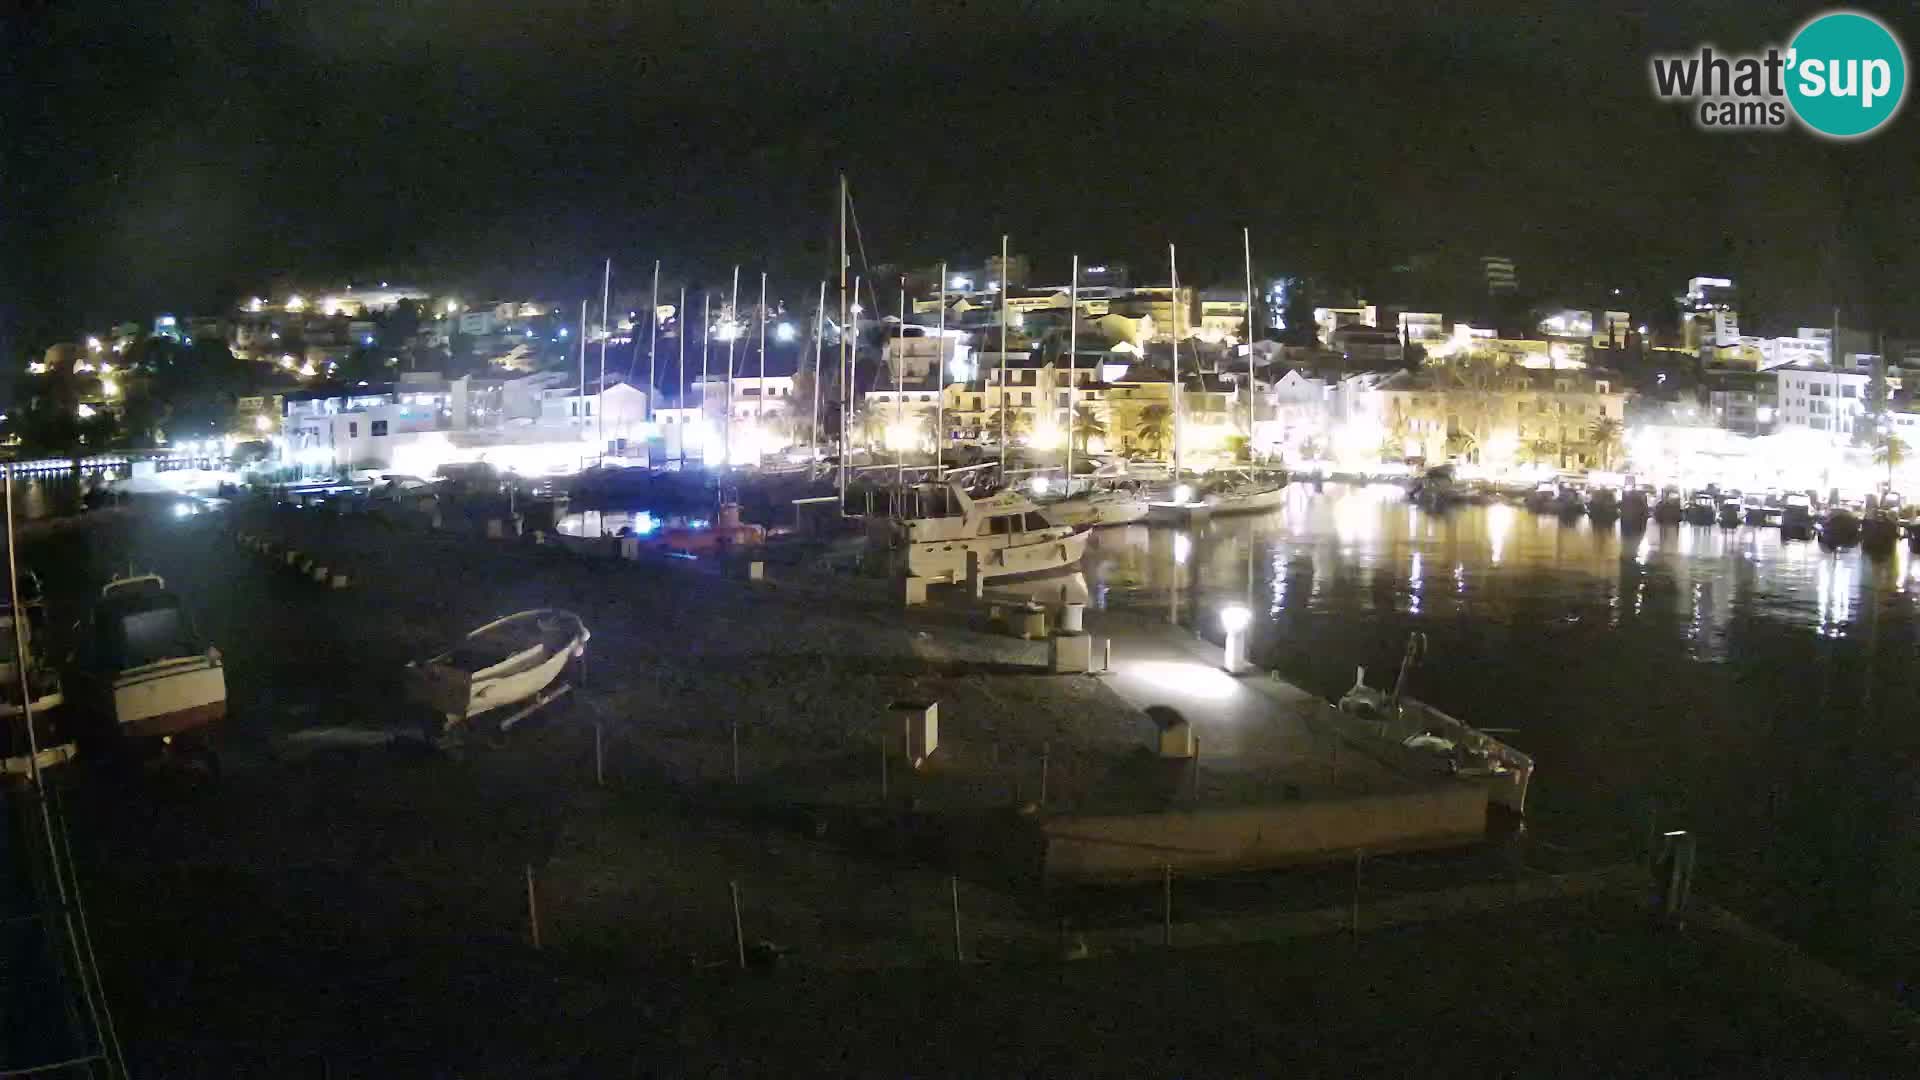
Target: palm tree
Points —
{"points": [[1087, 426], [1604, 435], [1015, 419], [1155, 429], [1890, 451], [1541, 452], [871, 421]]}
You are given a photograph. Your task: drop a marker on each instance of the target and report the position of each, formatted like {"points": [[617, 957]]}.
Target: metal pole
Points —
{"points": [[1046, 751], [606, 334], [761, 416], [953, 890], [940, 385], [819, 345], [846, 379], [1173, 324], [1073, 361], [533, 908], [853, 368], [706, 335], [733, 733], [583, 351], [900, 397], [680, 328], [739, 936], [1003, 358], [599, 757], [1166, 904], [1246, 247], [653, 341], [733, 323]]}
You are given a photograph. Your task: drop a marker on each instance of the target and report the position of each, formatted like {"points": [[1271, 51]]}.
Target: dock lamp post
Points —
{"points": [[1234, 619]]}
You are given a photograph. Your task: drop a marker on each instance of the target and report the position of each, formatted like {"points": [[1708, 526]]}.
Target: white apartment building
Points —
{"points": [[1821, 399]]}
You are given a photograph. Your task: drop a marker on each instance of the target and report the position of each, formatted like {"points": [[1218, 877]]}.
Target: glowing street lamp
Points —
{"points": [[296, 303], [783, 332], [1234, 620]]}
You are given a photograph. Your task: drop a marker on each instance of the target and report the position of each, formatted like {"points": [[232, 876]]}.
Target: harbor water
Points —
{"points": [[1763, 694]]}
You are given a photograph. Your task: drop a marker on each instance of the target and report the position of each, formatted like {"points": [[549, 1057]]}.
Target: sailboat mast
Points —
{"points": [[819, 346], [1246, 248], [846, 377], [1173, 328], [900, 397], [653, 341], [1004, 400], [680, 334], [940, 384], [706, 336], [853, 356], [583, 350], [606, 333], [1073, 361], [733, 335], [760, 417]]}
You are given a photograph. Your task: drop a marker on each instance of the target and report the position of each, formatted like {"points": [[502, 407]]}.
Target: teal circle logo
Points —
{"points": [[1847, 74]]}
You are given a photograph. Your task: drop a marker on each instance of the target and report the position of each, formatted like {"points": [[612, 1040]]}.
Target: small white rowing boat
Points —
{"points": [[503, 663]]}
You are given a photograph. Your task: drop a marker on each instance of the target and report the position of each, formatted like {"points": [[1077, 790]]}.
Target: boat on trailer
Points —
{"points": [[1450, 745], [509, 661]]}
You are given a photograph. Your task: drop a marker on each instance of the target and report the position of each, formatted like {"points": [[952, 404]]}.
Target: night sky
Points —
{"points": [[172, 155]]}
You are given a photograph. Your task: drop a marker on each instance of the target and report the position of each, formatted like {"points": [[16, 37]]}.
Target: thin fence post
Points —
{"points": [[1358, 856], [599, 755], [739, 937], [1166, 904], [733, 734], [1046, 752], [533, 908], [953, 888]]}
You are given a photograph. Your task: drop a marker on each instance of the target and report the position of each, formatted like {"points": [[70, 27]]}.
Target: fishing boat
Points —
{"points": [[1732, 510], [1604, 506], [38, 694], [1635, 506], [506, 662], [146, 669], [1248, 494], [1796, 517], [1448, 744], [1436, 489], [1109, 504], [1840, 527], [1569, 501], [1670, 509], [1006, 531]]}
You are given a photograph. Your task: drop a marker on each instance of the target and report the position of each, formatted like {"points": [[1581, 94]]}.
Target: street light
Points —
{"points": [[1234, 620]]}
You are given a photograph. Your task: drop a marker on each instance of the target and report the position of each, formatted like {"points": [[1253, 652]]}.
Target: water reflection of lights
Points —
{"points": [[1193, 680], [1500, 519], [1640, 556], [1833, 595], [1413, 584], [1182, 548], [1460, 578]]}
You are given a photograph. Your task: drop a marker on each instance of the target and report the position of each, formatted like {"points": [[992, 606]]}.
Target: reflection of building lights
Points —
{"points": [[93, 344], [296, 303], [109, 388], [85, 411], [287, 362], [307, 370], [1182, 548]]}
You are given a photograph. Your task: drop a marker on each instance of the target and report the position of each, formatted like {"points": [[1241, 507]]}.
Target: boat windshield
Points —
{"points": [[155, 629]]}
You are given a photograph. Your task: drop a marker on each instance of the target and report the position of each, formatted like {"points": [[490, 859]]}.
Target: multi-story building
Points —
{"points": [[1498, 271], [1710, 319], [1821, 399], [1329, 319], [1223, 315], [1743, 402], [1542, 416], [1422, 327]]}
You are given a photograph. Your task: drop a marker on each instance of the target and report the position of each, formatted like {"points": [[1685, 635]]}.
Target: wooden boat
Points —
{"points": [[1006, 530], [1448, 745], [505, 662], [146, 667]]}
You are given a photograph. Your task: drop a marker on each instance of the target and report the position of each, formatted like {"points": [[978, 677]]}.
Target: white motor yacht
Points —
{"points": [[1007, 530]]}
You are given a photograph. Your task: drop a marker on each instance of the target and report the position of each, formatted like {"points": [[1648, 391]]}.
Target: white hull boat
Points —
{"points": [[503, 663], [148, 667], [1006, 531], [1096, 509], [1448, 744]]}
